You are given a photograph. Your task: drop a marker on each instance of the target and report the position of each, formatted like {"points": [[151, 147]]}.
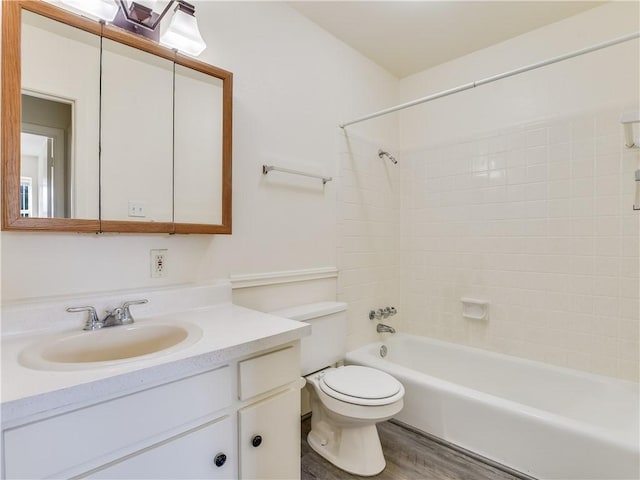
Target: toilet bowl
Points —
{"points": [[345, 409], [347, 401]]}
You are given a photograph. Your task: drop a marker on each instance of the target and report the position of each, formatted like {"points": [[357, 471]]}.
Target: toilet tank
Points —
{"points": [[327, 343]]}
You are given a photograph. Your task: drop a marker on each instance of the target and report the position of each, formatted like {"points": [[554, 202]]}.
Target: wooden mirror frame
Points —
{"points": [[11, 125]]}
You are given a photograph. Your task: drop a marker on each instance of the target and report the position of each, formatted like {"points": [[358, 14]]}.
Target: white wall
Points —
{"points": [[293, 84], [520, 193]]}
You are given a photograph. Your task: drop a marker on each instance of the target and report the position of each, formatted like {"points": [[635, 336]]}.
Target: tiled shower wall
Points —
{"points": [[536, 219], [368, 234]]}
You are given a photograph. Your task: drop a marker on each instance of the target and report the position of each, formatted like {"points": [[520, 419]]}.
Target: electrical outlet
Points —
{"points": [[159, 263], [136, 209]]}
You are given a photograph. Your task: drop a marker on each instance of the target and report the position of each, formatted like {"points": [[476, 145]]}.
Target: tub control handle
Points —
{"points": [[220, 459], [256, 441], [381, 313]]}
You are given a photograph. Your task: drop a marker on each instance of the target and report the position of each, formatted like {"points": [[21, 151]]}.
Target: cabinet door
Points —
{"points": [[193, 454], [269, 437]]}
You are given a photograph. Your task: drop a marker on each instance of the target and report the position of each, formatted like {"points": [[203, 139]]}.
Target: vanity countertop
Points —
{"points": [[229, 331]]}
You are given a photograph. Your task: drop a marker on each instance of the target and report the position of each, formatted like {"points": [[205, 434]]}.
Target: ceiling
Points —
{"points": [[406, 37]]}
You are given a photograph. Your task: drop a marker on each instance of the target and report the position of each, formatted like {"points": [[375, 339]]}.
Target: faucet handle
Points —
{"points": [[126, 313], [392, 310], [93, 322]]}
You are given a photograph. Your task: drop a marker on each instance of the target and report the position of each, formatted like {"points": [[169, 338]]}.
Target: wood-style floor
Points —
{"points": [[409, 456]]}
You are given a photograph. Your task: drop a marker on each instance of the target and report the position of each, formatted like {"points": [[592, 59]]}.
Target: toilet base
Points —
{"points": [[356, 450]]}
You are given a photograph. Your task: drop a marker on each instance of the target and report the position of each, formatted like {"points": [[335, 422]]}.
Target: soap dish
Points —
{"points": [[474, 308]]}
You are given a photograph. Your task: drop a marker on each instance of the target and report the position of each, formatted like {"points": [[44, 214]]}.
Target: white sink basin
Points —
{"points": [[109, 346]]}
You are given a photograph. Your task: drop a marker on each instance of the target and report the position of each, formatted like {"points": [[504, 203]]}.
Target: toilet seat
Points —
{"points": [[361, 386]]}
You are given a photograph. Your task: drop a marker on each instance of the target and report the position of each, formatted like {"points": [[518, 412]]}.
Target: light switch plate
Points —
{"points": [[136, 209]]}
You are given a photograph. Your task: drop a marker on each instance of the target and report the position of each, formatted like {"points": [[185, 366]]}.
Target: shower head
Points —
{"points": [[382, 153]]}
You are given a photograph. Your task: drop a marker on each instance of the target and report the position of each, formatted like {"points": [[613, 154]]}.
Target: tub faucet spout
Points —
{"points": [[382, 328]]}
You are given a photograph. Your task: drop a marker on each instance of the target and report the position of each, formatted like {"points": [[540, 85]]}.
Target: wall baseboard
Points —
{"points": [[276, 278]]}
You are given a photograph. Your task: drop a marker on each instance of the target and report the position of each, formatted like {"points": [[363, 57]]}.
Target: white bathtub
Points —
{"points": [[545, 421]]}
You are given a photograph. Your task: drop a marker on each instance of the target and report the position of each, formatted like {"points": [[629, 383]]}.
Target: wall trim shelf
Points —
{"points": [[276, 278]]}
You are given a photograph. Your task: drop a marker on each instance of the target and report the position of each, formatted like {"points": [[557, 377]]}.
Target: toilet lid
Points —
{"points": [[361, 382]]}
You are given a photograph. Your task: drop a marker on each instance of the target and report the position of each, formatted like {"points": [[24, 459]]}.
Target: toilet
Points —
{"points": [[346, 401]]}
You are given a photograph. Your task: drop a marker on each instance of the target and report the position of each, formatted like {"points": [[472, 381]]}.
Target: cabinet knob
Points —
{"points": [[220, 459], [256, 441]]}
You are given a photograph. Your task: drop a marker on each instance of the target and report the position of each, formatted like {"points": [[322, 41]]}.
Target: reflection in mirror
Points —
{"points": [[45, 158], [137, 139], [60, 104], [198, 156]]}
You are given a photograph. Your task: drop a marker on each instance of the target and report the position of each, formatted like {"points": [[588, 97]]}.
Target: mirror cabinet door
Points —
{"points": [[137, 138], [198, 147], [103, 131], [60, 95]]}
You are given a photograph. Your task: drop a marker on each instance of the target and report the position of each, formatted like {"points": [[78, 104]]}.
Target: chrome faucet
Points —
{"points": [[117, 316], [381, 313], [382, 328]]}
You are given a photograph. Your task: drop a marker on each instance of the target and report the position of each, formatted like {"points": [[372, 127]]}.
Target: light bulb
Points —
{"points": [[104, 9], [183, 34]]}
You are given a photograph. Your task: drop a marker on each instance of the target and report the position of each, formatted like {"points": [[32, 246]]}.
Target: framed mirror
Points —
{"points": [[50, 118], [107, 131]]}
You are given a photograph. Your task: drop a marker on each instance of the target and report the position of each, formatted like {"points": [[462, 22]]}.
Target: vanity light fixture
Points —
{"points": [[141, 17], [103, 9], [144, 17], [183, 33]]}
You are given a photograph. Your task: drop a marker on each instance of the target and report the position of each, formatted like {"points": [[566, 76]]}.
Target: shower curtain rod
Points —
{"points": [[468, 86]]}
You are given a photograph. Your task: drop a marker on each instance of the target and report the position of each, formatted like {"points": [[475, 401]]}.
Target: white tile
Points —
{"points": [[560, 152], [607, 206], [582, 168], [535, 155], [607, 165], [536, 137], [496, 161], [582, 187], [537, 173], [535, 191], [629, 308], [560, 170], [608, 145], [583, 127], [582, 207], [607, 185], [560, 208], [583, 150], [629, 288], [515, 158], [559, 132], [583, 226], [516, 175], [606, 266], [559, 189], [608, 246]]}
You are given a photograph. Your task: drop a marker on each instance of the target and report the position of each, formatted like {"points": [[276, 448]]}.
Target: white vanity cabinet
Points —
{"points": [[199, 426]]}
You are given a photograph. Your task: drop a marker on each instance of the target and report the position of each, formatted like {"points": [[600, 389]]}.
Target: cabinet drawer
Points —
{"points": [[189, 455], [271, 370], [92, 435]]}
